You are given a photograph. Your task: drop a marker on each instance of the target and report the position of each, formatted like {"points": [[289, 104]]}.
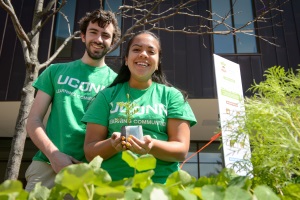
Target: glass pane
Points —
{"points": [[63, 28], [194, 157], [211, 148], [222, 43], [192, 169], [211, 158], [245, 42], [113, 6]]}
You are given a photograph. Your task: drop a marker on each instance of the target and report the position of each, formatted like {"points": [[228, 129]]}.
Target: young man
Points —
{"points": [[68, 88]]}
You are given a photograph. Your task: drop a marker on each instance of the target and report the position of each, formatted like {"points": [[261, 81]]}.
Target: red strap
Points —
{"points": [[213, 138]]}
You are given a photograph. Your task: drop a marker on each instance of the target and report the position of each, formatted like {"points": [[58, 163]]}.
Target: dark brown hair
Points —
{"points": [[103, 18]]}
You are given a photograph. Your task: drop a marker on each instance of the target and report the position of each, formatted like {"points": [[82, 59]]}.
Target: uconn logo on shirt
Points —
{"points": [[158, 109], [76, 83]]}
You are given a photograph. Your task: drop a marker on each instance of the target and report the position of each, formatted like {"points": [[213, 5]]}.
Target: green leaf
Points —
{"points": [[12, 189], [236, 193], [10, 186], [241, 181], [75, 176], [154, 192], [213, 192], [114, 192], [101, 177], [85, 192], [130, 158], [96, 163], [142, 163], [142, 180], [58, 192], [146, 162], [39, 192], [186, 195], [263, 192], [204, 181], [292, 191], [180, 176], [225, 176], [197, 192], [131, 194]]}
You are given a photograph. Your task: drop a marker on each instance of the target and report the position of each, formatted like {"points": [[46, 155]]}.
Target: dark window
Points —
{"points": [[64, 28], [237, 14], [113, 6], [205, 163]]}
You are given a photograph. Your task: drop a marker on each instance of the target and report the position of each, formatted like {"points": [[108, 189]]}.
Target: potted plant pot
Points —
{"points": [[134, 130]]}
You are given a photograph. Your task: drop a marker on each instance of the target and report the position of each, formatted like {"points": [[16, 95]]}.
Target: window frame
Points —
{"points": [[235, 36]]}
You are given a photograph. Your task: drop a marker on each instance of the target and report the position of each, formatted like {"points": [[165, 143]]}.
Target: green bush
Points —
{"points": [[89, 181], [272, 122]]}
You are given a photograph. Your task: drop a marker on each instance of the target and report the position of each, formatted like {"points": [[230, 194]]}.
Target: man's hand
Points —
{"points": [[60, 160]]}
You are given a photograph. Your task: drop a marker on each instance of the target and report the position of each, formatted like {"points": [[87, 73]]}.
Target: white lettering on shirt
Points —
{"points": [[156, 109], [76, 83]]}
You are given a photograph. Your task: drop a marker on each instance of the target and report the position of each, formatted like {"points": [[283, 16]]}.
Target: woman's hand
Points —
{"points": [[139, 146], [118, 141]]}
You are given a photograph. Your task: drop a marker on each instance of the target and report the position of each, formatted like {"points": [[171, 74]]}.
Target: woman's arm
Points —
{"points": [[96, 142], [177, 147]]}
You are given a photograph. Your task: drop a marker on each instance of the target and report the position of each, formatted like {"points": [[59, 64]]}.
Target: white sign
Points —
{"points": [[230, 100]]}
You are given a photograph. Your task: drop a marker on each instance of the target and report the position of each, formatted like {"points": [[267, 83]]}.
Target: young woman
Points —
{"points": [[162, 111]]}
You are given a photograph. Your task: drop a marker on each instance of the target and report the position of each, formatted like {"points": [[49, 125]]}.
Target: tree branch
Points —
{"points": [[61, 47], [7, 6], [38, 27], [145, 13]]}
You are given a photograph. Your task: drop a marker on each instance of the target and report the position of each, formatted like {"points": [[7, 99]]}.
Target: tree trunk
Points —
{"points": [[18, 142]]}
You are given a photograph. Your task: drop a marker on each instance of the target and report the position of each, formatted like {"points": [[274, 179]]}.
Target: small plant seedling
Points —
{"points": [[130, 110]]}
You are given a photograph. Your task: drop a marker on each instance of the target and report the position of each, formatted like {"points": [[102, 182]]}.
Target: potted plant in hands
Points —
{"points": [[130, 130]]}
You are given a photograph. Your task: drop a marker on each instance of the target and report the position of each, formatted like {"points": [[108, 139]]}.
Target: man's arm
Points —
{"points": [[36, 131]]}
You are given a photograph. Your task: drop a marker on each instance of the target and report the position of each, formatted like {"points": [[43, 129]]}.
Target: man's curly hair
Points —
{"points": [[103, 18]]}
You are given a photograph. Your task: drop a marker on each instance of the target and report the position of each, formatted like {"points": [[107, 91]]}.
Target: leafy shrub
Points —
{"points": [[89, 181], [272, 122]]}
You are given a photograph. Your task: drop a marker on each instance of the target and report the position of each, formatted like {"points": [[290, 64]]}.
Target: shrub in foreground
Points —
{"points": [[89, 181]]}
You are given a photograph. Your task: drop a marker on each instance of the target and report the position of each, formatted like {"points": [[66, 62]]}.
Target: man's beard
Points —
{"points": [[97, 56]]}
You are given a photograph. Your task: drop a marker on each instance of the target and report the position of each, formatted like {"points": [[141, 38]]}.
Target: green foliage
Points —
{"points": [[141, 163], [89, 181], [272, 121]]}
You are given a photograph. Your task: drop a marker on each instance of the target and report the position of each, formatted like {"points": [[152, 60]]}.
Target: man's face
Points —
{"points": [[97, 40]]}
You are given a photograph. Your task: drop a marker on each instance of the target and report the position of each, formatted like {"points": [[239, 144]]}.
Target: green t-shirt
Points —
{"points": [[72, 86], [155, 105]]}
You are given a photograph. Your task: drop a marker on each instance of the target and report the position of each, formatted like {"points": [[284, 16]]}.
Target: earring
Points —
{"points": [[126, 63]]}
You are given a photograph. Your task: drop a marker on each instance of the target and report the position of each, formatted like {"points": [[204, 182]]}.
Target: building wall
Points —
{"points": [[187, 59]]}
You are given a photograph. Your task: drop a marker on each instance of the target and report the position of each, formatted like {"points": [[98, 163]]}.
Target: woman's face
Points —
{"points": [[143, 57]]}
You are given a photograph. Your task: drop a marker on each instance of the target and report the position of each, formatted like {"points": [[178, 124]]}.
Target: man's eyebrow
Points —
{"points": [[137, 45], [93, 29]]}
